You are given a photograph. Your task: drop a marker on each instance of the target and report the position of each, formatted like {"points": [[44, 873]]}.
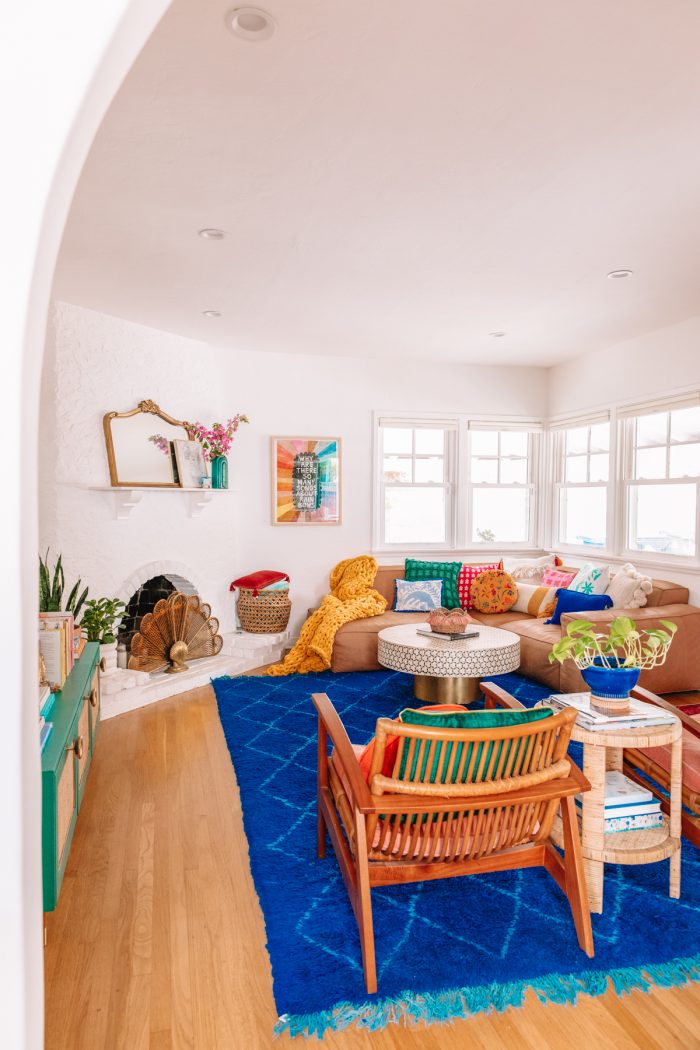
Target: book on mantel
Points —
{"points": [[639, 715], [628, 805]]}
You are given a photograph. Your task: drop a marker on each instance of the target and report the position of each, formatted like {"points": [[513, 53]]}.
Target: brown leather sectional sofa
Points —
{"points": [[355, 646]]}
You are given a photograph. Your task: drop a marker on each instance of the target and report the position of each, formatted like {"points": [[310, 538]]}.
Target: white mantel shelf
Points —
{"points": [[124, 499]]}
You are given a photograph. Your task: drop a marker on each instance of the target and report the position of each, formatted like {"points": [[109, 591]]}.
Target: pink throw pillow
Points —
{"points": [[557, 578], [467, 575]]}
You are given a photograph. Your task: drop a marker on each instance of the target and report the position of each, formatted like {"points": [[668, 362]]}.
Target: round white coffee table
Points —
{"points": [[448, 672]]}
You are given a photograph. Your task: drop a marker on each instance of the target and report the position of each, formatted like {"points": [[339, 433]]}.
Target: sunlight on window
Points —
{"points": [[662, 519]]}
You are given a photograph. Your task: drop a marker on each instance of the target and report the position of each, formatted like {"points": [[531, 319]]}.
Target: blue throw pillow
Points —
{"points": [[575, 601], [417, 595]]}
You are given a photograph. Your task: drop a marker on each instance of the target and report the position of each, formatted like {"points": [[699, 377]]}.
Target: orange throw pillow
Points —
{"points": [[392, 744], [494, 592]]}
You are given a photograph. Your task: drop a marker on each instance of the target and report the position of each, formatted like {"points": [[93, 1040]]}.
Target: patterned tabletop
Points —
{"points": [[494, 651]]}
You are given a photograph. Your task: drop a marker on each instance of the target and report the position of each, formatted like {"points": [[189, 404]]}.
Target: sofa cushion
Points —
{"points": [[447, 571], [576, 601], [535, 599], [499, 619], [691, 760], [591, 579], [536, 641], [467, 575], [629, 588], [355, 645], [663, 592], [493, 591], [417, 595]]}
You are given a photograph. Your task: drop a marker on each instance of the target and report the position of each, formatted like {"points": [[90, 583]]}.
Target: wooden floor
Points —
{"points": [[158, 939]]}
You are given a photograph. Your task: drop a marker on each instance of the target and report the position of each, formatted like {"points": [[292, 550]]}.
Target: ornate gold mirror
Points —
{"points": [[134, 460]]}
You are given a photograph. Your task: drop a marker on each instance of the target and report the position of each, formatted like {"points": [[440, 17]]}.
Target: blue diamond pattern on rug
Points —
{"points": [[445, 948]]}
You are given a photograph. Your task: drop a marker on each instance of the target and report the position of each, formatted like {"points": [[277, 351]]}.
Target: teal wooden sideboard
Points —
{"points": [[65, 764]]}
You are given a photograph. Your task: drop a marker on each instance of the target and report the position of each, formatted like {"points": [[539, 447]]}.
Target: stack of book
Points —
{"points": [[640, 715], [56, 644], [628, 806]]}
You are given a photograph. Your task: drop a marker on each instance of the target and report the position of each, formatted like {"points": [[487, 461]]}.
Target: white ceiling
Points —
{"points": [[400, 178]]}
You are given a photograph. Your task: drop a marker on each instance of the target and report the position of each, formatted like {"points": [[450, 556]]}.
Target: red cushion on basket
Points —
{"points": [[256, 581]]}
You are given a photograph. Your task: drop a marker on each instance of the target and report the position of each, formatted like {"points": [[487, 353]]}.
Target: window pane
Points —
{"points": [[501, 514], [576, 467], [599, 467], [484, 471], [577, 439], [397, 468], [430, 441], [398, 439], [662, 518], [582, 515], [514, 442], [685, 424], [414, 515], [600, 437], [685, 461], [650, 463], [652, 430], [514, 471], [484, 442], [432, 469]]}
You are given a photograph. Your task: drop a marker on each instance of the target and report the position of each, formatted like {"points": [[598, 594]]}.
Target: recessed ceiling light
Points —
{"points": [[617, 275], [250, 23], [497, 335], [210, 233], [211, 313]]}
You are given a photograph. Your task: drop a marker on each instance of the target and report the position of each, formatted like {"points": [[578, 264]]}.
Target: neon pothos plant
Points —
{"points": [[101, 619], [624, 645]]}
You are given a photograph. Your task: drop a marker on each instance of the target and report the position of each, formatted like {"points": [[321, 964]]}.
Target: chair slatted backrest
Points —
{"points": [[465, 765]]}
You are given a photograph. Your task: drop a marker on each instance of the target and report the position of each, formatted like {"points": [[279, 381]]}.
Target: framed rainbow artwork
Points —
{"points": [[305, 481]]}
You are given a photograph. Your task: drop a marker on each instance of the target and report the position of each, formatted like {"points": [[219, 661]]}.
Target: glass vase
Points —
{"points": [[219, 472]]}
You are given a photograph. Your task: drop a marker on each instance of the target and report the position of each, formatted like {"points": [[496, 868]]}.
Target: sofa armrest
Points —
{"points": [[647, 616]]}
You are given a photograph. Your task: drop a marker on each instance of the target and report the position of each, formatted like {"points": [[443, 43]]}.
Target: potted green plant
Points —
{"points": [[611, 662], [52, 583], [101, 619]]}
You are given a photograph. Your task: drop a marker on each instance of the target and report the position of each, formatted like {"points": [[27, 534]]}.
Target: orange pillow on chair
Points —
{"points": [[392, 744]]}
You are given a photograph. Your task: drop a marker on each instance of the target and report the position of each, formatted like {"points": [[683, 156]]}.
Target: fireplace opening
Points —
{"points": [[144, 601]]}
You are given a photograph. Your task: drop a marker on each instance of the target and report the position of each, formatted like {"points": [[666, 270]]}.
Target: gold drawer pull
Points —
{"points": [[93, 698], [103, 665], [77, 747]]}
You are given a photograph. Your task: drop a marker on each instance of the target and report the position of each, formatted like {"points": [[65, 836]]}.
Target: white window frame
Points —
{"points": [[450, 428], [627, 480], [560, 484], [458, 531], [530, 486]]}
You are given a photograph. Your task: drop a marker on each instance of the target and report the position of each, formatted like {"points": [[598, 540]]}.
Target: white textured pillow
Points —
{"points": [[629, 588], [591, 579], [528, 568]]}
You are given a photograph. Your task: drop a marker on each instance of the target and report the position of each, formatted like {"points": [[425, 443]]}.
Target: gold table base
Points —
{"points": [[446, 690]]}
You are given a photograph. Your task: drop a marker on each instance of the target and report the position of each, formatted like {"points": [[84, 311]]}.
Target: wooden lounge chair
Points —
{"points": [[656, 764], [487, 805]]}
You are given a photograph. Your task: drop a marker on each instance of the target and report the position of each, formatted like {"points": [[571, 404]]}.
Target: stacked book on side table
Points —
{"points": [[639, 716], [628, 806]]}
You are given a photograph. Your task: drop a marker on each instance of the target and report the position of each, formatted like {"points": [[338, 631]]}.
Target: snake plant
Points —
{"points": [[52, 585]]}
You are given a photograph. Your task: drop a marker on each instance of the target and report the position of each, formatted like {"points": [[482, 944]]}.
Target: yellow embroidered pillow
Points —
{"points": [[494, 591], [535, 599]]}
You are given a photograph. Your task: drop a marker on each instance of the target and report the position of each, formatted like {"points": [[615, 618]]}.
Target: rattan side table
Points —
{"points": [[604, 750]]}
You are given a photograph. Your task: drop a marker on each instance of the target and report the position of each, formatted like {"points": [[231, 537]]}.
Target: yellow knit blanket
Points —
{"points": [[351, 598]]}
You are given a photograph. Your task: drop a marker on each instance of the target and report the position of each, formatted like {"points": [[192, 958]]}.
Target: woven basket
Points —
{"points": [[266, 613]]}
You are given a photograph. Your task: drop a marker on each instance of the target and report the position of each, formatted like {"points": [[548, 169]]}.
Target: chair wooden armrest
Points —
{"points": [[330, 727], [497, 697], [687, 722]]}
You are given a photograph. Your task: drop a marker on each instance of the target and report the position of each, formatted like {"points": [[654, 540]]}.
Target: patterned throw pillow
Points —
{"points": [[591, 579], [447, 571], [494, 591], [557, 578], [535, 599], [530, 568], [417, 595], [467, 575]]}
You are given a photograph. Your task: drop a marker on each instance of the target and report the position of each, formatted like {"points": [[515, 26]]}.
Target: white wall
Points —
{"points": [[100, 363], [661, 361]]}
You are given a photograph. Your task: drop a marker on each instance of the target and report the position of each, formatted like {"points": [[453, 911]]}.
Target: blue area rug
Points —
{"points": [[447, 948]]}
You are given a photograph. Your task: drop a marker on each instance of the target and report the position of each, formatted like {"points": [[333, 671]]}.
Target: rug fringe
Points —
{"points": [[450, 1005]]}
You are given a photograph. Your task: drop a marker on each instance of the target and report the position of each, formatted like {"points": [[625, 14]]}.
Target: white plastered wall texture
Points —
{"points": [[98, 363]]}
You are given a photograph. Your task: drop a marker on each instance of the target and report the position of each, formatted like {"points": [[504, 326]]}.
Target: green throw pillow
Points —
{"points": [[468, 720], [447, 571]]}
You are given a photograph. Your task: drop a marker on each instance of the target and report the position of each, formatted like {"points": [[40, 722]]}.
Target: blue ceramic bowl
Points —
{"points": [[614, 683]]}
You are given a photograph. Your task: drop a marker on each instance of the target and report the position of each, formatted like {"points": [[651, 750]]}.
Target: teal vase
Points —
{"points": [[219, 472]]}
